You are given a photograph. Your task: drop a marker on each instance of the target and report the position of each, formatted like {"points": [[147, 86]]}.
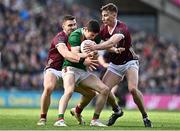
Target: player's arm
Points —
{"points": [[63, 50], [74, 41], [73, 57], [116, 50], [77, 51], [109, 43], [106, 45], [92, 64], [135, 56]]}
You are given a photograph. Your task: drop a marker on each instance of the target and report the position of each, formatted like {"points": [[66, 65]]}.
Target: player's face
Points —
{"points": [[69, 26], [108, 17], [90, 35]]}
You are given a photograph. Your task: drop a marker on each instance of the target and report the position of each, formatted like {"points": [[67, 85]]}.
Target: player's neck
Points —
{"points": [[112, 26], [66, 33]]}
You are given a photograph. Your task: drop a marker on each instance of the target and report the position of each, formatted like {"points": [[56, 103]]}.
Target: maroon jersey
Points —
{"points": [[55, 59], [126, 55]]}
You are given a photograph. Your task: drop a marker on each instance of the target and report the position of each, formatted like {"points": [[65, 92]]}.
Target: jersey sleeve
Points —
{"points": [[61, 39], [124, 30]]}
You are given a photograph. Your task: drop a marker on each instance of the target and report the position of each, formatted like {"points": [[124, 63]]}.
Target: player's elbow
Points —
{"points": [[116, 38], [120, 36]]}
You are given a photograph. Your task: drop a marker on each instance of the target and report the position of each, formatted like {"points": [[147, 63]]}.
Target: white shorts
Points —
{"points": [[79, 73], [57, 73], [120, 70]]}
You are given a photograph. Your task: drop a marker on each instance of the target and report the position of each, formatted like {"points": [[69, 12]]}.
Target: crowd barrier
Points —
{"points": [[32, 99]]}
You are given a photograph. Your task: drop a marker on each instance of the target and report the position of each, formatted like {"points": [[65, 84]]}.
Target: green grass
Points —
{"points": [[26, 119]]}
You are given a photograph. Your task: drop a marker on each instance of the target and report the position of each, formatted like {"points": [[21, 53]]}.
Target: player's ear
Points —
{"points": [[114, 15], [62, 26]]}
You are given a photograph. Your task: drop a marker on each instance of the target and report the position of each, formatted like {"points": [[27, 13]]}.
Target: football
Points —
{"points": [[84, 43]]}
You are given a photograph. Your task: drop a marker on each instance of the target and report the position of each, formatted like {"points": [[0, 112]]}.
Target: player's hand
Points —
{"points": [[93, 55], [137, 57], [88, 48], [91, 63], [119, 50]]}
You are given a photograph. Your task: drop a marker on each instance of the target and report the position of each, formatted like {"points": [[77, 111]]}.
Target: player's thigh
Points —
{"points": [[85, 90], [49, 80], [111, 79], [69, 82], [94, 83], [132, 78]]}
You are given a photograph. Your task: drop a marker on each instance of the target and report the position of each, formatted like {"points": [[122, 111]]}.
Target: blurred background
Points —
{"points": [[28, 26]]}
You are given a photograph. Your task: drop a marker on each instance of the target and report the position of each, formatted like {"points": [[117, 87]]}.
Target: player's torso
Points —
{"points": [[55, 59], [126, 55]]}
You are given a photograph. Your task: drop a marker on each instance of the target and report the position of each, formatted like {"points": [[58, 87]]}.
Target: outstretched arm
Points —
{"points": [[104, 45], [116, 50], [109, 43]]}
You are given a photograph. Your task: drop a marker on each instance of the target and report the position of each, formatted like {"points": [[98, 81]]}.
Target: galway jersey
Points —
{"points": [[126, 55], [55, 59]]}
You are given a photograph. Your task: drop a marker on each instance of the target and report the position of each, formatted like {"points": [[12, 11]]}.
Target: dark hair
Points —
{"points": [[93, 26], [68, 17], [110, 7]]}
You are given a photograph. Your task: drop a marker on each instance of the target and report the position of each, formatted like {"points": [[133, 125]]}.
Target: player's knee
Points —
{"points": [[68, 93], [92, 94], [133, 91], [105, 91], [48, 89]]}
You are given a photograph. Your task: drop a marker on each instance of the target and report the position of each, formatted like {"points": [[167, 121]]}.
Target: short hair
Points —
{"points": [[110, 7], [68, 17], [93, 26]]}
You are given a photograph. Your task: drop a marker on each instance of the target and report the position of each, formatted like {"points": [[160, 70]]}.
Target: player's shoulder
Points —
{"points": [[60, 37], [61, 34], [121, 24], [77, 32], [76, 35]]}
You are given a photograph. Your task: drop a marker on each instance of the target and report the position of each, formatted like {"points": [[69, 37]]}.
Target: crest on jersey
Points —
{"points": [[61, 39]]}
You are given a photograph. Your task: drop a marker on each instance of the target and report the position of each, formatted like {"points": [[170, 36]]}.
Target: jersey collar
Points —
{"points": [[113, 28]]}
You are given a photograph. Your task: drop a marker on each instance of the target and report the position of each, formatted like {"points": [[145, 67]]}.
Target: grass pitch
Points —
{"points": [[26, 119]]}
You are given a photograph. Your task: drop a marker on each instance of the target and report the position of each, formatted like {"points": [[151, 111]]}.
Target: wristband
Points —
{"points": [[81, 60]]}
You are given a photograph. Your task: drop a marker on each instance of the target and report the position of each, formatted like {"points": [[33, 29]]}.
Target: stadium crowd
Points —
{"points": [[26, 30]]}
